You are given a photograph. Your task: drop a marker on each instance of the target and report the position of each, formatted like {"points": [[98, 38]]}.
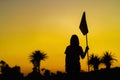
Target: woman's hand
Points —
{"points": [[87, 48]]}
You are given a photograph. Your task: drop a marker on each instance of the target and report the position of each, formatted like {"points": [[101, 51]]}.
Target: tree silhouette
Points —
{"points": [[3, 63], [107, 59], [4, 67], [94, 61], [10, 73], [35, 59]]}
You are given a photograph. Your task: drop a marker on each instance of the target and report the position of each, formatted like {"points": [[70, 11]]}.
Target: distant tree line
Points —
{"points": [[13, 73], [107, 59]]}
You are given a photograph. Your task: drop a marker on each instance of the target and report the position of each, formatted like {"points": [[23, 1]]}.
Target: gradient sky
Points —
{"points": [[47, 25]]}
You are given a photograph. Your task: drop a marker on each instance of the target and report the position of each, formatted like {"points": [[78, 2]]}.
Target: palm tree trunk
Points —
{"points": [[39, 68]]}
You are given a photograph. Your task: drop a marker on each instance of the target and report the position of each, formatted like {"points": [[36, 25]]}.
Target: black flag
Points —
{"points": [[83, 25], [84, 30]]}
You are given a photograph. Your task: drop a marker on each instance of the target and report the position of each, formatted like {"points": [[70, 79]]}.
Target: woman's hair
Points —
{"points": [[74, 40]]}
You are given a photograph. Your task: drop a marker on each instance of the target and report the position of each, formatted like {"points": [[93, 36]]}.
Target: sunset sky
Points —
{"points": [[47, 25]]}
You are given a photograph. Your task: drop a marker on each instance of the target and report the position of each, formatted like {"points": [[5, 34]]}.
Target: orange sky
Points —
{"points": [[47, 25]]}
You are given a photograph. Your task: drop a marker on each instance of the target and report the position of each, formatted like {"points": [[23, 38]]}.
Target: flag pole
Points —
{"points": [[87, 52], [84, 30]]}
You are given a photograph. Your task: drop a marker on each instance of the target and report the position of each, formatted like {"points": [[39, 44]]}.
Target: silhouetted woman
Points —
{"points": [[73, 53]]}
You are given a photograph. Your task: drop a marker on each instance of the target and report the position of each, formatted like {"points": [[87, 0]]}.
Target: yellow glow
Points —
{"points": [[26, 26]]}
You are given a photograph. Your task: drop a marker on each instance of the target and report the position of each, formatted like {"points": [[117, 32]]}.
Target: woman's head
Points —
{"points": [[74, 40]]}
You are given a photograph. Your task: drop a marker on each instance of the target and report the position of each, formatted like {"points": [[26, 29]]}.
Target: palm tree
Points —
{"points": [[35, 59], [94, 61], [107, 59]]}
